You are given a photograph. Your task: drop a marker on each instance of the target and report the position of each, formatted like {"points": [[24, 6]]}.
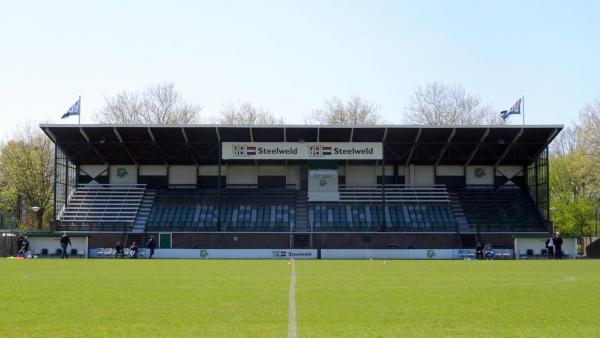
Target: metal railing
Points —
{"points": [[394, 193]]}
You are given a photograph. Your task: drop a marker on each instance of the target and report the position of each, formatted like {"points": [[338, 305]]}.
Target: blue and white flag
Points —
{"points": [[515, 109], [74, 110]]}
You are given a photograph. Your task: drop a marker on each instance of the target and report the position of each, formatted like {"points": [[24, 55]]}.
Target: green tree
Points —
{"points": [[572, 194], [26, 170]]}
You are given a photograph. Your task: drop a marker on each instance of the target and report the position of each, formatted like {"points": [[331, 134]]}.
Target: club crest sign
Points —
{"points": [[479, 172], [122, 172], [302, 151]]}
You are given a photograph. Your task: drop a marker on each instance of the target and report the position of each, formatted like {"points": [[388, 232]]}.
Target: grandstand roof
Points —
{"points": [[403, 144]]}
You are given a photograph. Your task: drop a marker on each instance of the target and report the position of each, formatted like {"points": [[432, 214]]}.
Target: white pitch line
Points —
{"points": [[292, 332]]}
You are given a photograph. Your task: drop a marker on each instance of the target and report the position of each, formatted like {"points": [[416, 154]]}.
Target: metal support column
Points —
{"points": [[219, 187], [547, 181], [55, 179], [383, 187]]}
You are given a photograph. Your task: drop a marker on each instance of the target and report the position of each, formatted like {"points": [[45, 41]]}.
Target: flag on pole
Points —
{"points": [[515, 109], [74, 110]]}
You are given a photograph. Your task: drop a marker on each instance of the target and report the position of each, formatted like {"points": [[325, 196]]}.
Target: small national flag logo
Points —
{"points": [[242, 150], [318, 150]]}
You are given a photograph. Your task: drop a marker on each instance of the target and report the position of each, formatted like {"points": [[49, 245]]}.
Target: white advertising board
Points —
{"points": [[301, 151], [220, 253], [387, 253]]}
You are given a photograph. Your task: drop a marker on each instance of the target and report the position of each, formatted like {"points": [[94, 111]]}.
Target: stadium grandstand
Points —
{"points": [[298, 186]]}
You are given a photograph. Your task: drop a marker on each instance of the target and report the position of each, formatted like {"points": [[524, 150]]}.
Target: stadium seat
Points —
{"points": [[239, 210], [499, 210]]}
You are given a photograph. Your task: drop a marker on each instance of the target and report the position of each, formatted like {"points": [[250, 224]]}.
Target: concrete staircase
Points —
{"points": [[459, 214], [301, 212], [139, 226]]}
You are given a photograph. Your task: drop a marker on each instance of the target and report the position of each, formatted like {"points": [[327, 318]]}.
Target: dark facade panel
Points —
{"points": [[334, 134], [199, 144], [268, 134]]}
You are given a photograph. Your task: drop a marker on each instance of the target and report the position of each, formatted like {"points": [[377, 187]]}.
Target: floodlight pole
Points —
{"points": [[35, 211]]}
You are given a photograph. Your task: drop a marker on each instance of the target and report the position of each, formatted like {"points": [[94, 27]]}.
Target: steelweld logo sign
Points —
{"points": [[302, 151], [293, 253]]}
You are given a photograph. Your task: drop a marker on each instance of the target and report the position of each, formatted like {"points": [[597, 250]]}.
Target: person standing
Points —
{"points": [[479, 251], [550, 247], [65, 241], [133, 250], [24, 248], [20, 242], [488, 251], [558, 241], [119, 250], [151, 245]]}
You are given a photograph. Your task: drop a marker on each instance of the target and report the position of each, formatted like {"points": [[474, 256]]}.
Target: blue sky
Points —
{"points": [[288, 56]]}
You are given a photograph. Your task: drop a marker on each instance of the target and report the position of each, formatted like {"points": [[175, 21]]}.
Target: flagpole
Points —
{"points": [[523, 100], [79, 115]]}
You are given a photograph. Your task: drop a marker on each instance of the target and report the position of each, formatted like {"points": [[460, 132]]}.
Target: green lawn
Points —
{"points": [[234, 298]]}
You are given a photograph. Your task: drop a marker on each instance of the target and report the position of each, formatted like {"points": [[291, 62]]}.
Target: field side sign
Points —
{"points": [[301, 151]]}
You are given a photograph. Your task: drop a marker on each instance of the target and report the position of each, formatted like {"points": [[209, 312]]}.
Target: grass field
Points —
{"points": [[234, 298]]}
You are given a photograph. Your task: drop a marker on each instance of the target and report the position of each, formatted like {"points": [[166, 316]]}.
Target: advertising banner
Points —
{"points": [[301, 151]]}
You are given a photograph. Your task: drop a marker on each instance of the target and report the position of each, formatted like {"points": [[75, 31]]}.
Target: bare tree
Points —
{"points": [[354, 111], [160, 104], [566, 142], [588, 128], [441, 104], [244, 113]]}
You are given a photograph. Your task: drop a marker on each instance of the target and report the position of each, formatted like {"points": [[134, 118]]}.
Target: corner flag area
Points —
{"points": [[252, 298]]}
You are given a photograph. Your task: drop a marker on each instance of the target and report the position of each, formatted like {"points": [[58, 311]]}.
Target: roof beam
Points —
{"points": [[448, 140], [548, 140], [118, 135], [129, 153], [50, 134], [414, 146], [552, 134], [350, 140], [481, 140], [87, 139], [151, 134], [509, 147], [156, 144], [187, 143], [185, 137], [84, 134], [252, 140]]}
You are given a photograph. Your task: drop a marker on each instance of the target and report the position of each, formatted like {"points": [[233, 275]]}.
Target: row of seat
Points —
{"points": [[206, 217], [500, 210], [95, 203], [392, 217], [194, 210], [282, 217]]}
